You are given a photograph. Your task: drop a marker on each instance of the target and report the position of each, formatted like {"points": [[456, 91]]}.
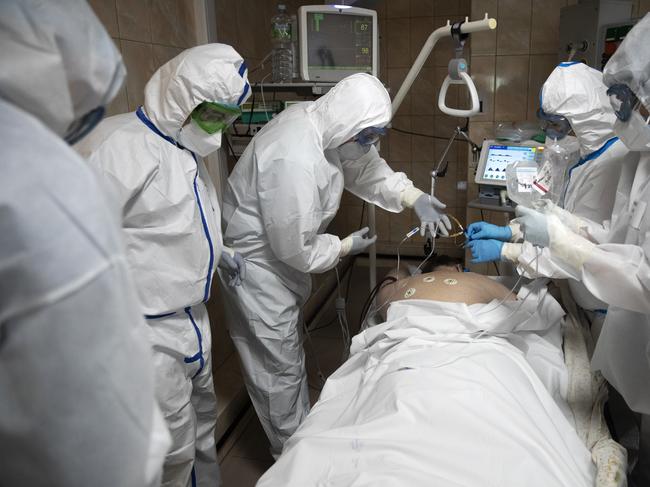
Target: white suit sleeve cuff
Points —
{"points": [[409, 195], [510, 252], [517, 234]]}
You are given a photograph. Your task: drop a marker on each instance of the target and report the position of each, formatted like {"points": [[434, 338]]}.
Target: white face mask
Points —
{"points": [[351, 151], [635, 133], [197, 140]]}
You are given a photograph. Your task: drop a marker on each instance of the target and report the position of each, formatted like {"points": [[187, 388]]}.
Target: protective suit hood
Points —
{"points": [[211, 72], [356, 102], [62, 62], [630, 64], [577, 92]]}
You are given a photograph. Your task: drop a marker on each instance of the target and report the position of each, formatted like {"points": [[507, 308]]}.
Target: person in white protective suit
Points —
{"points": [[77, 403], [151, 160], [572, 98], [282, 194]]}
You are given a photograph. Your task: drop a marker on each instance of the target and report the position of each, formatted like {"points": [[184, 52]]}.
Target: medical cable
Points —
{"points": [[371, 297], [343, 321], [417, 270]]}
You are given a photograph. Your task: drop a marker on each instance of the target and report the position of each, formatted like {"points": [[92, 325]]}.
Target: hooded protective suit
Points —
{"points": [[282, 194], [617, 271], [576, 91], [172, 225], [77, 404]]}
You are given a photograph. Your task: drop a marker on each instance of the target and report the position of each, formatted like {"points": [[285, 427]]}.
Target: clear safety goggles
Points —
{"points": [[624, 101], [214, 117], [370, 135], [554, 126]]}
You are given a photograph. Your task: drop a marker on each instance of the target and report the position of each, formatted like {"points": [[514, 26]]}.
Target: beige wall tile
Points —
{"points": [[382, 222], [484, 42], [226, 14], [423, 93], [644, 8], [544, 37], [397, 8], [450, 8], [162, 54], [513, 30], [106, 13], [421, 28], [422, 8], [172, 23], [120, 103], [444, 125], [133, 19], [422, 147], [398, 49], [541, 67], [400, 144], [483, 69], [510, 101], [139, 61]]}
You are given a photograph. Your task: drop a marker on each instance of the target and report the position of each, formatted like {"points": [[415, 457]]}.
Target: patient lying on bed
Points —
{"points": [[457, 387], [446, 282]]}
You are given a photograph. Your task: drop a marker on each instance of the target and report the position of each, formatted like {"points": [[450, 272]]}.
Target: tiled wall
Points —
{"points": [[148, 33], [509, 66]]}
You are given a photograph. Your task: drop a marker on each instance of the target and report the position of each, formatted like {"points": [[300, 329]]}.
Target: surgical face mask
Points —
{"points": [[197, 140], [360, 145], [81, 127], [353, 150], [635, 133]]}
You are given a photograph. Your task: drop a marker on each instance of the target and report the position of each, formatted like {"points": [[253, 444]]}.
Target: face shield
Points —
{"points": [[207, 122], [554, 126]]}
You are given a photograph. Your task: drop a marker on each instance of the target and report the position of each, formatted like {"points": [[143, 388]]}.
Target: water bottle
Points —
{"points": [[281, 38]]}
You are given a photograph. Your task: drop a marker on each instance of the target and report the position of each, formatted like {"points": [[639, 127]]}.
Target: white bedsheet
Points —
{"points": [[422, 402]]}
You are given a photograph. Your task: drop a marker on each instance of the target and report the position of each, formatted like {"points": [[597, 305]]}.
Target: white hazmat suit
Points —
{"points": [[77, 404], [617, 271], [576, 91], [172, 225], [280, 198]]}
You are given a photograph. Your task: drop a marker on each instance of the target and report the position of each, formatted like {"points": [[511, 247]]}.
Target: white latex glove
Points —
{"points": [[234, 264], [534, 226], [428, 211], [357, 242]]}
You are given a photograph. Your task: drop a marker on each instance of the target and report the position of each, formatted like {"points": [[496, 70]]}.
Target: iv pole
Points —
{"points": [[466, 27]]}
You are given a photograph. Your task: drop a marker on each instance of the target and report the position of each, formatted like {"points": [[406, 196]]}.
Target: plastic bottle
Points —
{"points": [[281, 38]]}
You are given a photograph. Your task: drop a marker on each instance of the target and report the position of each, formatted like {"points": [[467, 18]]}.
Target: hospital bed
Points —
{"points": [[455, 395]]}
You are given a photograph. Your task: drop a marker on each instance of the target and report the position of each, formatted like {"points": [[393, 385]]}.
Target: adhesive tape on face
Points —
{"points": [[409, 292]]}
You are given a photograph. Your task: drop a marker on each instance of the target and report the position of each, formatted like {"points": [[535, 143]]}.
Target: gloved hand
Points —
{"points": [[428, 209], [357, 242], [485, 230], [234, 264], [485, 250], [534, 226]]}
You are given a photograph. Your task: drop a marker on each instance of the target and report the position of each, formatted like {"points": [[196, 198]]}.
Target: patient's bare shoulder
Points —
{"points": [[444, 284]]}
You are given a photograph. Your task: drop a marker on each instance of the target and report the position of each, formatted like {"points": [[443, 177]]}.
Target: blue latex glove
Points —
{"points": [[235, 266], [534, 226], [485, 250], [485, 230]]}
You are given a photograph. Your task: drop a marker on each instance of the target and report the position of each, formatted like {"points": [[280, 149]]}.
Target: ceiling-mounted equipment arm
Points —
{"points": [[466, 28]]}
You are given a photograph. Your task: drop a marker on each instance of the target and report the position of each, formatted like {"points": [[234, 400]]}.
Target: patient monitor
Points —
{"points": [[495, 157]]}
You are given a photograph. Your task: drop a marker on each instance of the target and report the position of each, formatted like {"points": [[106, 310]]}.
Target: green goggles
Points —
{"points": [[215, 117]]}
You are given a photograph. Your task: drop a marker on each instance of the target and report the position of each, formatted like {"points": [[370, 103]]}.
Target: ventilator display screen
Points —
{"points": [[339, 42], [498, 158]]}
